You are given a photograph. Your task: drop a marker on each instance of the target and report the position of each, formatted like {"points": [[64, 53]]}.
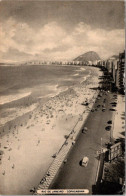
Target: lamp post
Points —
{"points": [[101, 144]]}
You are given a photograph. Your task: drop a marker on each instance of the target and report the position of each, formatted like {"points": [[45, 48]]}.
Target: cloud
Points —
{"points": [[20, 41]]}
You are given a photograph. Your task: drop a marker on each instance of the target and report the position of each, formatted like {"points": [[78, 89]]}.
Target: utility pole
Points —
{"points": [[101, 144]]}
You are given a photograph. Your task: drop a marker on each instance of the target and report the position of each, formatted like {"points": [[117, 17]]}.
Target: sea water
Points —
{"points": [[38, 81], [23, 86]]}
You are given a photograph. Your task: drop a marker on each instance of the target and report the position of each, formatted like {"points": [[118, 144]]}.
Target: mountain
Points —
{"points": [[88, 56]]}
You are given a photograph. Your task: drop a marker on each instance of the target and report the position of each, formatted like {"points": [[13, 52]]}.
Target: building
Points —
{"points": [[109, 65], [121, 74], [114, 69]]}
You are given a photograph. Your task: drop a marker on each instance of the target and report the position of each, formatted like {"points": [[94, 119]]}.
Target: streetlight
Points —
{"points": [[101, 144]]}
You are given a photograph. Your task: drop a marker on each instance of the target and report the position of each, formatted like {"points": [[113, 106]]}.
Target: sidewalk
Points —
{"points": [[119, 119]]}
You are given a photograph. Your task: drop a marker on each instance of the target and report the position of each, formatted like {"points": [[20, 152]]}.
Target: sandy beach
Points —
{"points": [[27, 147]]}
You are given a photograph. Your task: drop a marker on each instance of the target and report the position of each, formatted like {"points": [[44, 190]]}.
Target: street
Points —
{"points": [[73, 176]]}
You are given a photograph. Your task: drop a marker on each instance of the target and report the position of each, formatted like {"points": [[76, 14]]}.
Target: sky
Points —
{"points": [[60, 30]]}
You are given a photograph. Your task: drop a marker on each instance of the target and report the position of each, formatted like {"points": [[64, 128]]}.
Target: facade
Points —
{"points": [[117, 79], [114, 69], [121, 70], [109, 65]]}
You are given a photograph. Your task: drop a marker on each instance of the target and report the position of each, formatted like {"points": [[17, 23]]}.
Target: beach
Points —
{"points": [[28, 143]]}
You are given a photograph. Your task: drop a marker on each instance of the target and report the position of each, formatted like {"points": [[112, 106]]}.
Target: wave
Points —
{"points": [[9, 98], [76, 74], [82, 69]]}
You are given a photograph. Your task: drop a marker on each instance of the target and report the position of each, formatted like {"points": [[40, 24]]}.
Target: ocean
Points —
{"points": [[38, 81], [23, 86]]}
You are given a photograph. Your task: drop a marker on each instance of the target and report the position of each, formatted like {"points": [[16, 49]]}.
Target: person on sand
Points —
{"points": [[3, 172]]}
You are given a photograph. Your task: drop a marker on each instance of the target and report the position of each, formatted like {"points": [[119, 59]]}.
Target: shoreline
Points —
{"points": [[9, 106], [48, 124], [40, 101]]}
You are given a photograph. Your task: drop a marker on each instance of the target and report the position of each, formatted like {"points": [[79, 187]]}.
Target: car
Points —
{"points": [[84, 130], [104, 100], [113, 105], [32, 190], [108, 128], [111, 109], [85, 161], [103, 110], [109, 122]]}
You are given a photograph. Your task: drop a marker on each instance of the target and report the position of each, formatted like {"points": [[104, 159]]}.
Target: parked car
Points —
{"points": [[85, 161], [103, 110], [108, 128], [104, 100], [112, 109], [109, 122], [113, 105]]}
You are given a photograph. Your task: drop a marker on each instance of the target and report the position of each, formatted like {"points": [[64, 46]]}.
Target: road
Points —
{"points": [[73, 176]]}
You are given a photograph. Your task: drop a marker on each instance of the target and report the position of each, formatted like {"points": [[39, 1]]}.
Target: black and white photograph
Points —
{"points": [[62, 97]]}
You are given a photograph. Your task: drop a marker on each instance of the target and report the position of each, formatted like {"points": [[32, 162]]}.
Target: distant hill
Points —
{"points": [[88, 56]]}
